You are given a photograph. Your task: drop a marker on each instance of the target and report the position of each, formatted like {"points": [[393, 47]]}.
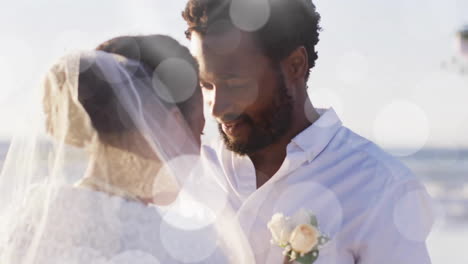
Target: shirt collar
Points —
{"points": [[316, 137]]}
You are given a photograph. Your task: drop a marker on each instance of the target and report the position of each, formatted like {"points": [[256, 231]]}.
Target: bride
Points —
{"points": [[116, 177]]}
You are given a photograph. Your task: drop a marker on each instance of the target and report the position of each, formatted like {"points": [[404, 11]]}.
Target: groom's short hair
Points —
{"points": [[292, 23]]}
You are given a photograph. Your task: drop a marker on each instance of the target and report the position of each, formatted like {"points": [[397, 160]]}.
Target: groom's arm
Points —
{"points": [[397, 227]]}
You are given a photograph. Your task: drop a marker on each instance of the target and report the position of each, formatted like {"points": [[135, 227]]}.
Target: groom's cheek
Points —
{"points": [[207, 97], [208, 101]]}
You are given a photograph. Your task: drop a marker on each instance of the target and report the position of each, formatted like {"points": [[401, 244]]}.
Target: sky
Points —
{"points": [[379, 61]]}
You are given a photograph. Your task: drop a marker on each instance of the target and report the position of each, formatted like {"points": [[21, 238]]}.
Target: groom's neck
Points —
{"points": [[268, 160]]}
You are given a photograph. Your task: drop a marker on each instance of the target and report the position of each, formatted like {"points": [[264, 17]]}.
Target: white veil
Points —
{"points": [[102, 127]]}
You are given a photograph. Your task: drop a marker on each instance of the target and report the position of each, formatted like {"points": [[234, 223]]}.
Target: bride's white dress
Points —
{"points": [[85, 226]]}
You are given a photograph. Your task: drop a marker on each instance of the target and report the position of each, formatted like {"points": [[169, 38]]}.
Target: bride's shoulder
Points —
{"points": [[69, 194], [87, 218], [75, 200]]}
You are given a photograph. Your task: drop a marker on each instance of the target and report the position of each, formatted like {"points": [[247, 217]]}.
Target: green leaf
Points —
{"points": [[308, 258], [323, 240], [313, 221]]}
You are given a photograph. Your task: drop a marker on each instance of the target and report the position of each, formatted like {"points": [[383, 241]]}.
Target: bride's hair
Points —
{"points": [[113, 102], [98, 100], [96, 95], [152, 50]]}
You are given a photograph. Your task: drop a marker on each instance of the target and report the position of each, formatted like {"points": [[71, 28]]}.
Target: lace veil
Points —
{"points": [[108, 124]]}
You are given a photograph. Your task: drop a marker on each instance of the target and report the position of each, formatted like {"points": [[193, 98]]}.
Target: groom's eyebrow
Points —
{"points": [[226, 76], [229, 76]]}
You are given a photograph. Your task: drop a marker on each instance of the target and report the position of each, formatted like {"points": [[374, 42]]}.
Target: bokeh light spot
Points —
{"points": [[405, 210], [401, 128], [175, 80], [195, 206], [250, 15], [326, 206], [189, 246]]}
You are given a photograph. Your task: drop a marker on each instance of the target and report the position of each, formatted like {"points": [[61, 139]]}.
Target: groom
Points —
{"points": [[279, 154]]}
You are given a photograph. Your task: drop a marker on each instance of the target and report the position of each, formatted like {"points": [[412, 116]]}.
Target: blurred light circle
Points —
{"points": [[324, 98], [134, 256], [207, 187], [175, 80], [401, 128], [202, 196], [326, 206], [178, 168], [189, 246], [353, 67], [250, 15], [405, 210], [186, 213], [165, 188]]}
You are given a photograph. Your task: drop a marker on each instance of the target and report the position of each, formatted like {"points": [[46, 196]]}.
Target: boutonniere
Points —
{"points": [[299, 235]]}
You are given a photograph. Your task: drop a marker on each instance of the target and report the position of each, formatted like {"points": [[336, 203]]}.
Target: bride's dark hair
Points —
{"points": [[96, 95], [151, 50]]}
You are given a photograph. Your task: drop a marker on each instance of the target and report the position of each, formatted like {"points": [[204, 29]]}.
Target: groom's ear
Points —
{"points": [[296, 65]]}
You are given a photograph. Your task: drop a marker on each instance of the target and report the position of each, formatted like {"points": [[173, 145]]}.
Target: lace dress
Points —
{"points": [[84, 226]]}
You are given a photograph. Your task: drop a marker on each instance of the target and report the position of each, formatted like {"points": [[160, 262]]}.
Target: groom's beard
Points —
{"points": [[271, 129]]}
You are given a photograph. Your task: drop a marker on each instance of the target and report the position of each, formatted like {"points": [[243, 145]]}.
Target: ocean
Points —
{"points": [[444, 172]]}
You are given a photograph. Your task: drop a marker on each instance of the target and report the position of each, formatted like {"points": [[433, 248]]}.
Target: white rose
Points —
{"points": [[280, 229], [304, 238]]}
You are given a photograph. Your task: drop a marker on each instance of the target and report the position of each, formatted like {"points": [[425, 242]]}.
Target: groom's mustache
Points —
{"points": [[232, 118]]}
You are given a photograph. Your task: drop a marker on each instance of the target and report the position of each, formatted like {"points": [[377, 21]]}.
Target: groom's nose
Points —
{"points": [[219, 102]]}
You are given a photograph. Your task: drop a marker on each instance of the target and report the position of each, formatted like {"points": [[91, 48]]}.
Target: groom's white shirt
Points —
{"points": [[371, 206]]}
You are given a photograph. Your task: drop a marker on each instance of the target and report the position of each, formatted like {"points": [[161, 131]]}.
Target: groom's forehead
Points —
{"points": [[209, 45], [245, 57]]}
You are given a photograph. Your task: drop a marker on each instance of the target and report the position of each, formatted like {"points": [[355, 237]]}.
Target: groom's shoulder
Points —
{"points": [[383, 165]]}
